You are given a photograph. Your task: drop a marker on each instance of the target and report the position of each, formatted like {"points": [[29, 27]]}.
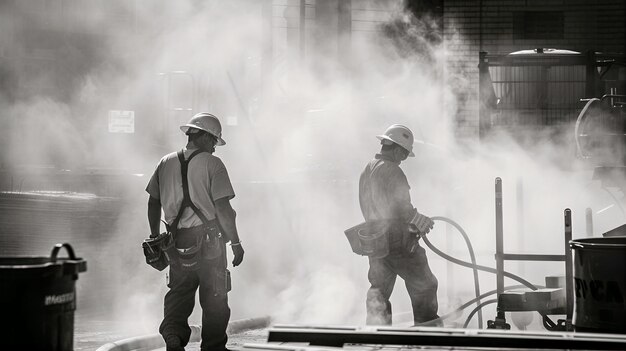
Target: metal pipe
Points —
{"points": [[267, 43], [589, 222], [532, 257], [483, 110], [590, 75], [569, 275], [520, 220], [302, 29], [449, 265], [499, 243]]}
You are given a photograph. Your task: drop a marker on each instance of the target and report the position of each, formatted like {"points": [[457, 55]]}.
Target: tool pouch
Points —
{"points": [[153, 252], [369, 239], [374, 242], [190, 258], [169, 250], [352, 234], [198, 244], [213, 245], [380, 238]]}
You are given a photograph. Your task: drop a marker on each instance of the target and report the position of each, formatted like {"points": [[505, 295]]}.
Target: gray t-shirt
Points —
{"points": [[208, 182]]}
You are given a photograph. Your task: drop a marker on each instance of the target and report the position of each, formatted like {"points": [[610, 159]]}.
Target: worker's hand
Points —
{"points": [[238, 253], [423, 224]]}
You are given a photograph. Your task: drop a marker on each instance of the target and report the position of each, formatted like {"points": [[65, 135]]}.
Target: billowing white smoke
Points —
{"points": [[296, 157]]}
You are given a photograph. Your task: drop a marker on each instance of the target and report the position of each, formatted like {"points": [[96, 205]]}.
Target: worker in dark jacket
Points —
{"points": [[194, 191], [386, 205]]}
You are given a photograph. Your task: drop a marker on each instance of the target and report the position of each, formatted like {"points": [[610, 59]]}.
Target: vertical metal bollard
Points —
{"points": [[588, 222], [500, 318], [569, 274]]}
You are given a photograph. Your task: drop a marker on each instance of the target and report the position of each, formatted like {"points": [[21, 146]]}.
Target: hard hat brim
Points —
{"points": [[186, 127], [384, 137]]}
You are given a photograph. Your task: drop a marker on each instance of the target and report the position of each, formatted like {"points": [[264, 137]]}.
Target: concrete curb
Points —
{"points": [[155, 341]]}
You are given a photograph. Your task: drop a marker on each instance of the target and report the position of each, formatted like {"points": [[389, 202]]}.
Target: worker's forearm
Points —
{"points": [[226, 216], [154, 216]]}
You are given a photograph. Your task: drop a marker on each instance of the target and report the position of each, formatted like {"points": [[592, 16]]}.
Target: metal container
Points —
{"points": [[38, 299], [599, 284]]}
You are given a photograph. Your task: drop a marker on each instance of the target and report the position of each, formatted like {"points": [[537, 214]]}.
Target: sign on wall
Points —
{"points": [[121, 121]]}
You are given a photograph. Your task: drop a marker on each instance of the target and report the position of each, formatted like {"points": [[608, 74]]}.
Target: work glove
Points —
{"points": [[237, 253], [422, 224]]}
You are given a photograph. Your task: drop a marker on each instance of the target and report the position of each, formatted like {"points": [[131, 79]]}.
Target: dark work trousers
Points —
{"points": [[420, 283], [213, 282]]}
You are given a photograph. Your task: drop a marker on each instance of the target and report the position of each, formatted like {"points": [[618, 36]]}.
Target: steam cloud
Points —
{"points": [[303, 136]]}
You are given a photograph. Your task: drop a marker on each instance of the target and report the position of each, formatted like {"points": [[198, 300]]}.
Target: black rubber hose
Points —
{"points": [[467, 304], [478, 308], [485, 269], [479, 267], [472, 258]]}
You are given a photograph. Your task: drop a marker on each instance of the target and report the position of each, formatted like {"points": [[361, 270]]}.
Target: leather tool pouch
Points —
{"points": [[381, 238], [198, 244], [213, 245], [153, 252], [374, 240], [190, 257], [169, 250]]}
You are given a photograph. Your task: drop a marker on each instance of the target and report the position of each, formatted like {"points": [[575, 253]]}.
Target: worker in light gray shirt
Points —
{"points": [[193, 188]]}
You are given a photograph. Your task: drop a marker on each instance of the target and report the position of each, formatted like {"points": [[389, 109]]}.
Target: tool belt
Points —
{"points": [[378, 239], [195, 245], [185, 248]]}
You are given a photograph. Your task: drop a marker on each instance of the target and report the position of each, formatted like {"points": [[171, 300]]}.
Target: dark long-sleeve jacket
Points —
{"points": [[384, 191]]}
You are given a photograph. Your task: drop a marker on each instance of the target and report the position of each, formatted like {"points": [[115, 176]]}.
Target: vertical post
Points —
{"points": [[589, 222], [302, 30], [267, 48], [483, 109], [344, 33], [569, 275], [499, 244], [590, 76], [449, 265], [520, 220]]}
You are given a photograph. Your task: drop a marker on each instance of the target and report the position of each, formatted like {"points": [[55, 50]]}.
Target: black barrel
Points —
{"points": [[38, 299], [599, 284]]}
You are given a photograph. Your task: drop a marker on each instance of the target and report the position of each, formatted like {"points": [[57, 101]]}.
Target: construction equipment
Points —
{"points": [[555, 299], [600, 130]]}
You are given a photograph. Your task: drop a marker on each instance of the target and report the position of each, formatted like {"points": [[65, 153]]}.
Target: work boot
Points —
{"points": [[172, 343]]}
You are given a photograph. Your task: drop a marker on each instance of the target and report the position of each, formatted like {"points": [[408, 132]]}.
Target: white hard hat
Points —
{"points": [[400, 135], [206, 122]]}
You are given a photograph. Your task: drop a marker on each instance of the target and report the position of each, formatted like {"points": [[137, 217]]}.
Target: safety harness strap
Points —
{"points": [[184, 165]]}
